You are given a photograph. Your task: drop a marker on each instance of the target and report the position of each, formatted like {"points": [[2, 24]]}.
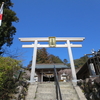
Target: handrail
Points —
{"points": [[58, 92]]}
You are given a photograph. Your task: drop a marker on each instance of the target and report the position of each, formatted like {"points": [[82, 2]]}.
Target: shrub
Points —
{"points": [[8, 67]]}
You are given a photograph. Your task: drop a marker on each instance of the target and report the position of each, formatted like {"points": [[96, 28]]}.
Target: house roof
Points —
{"points": [[50, 66]]}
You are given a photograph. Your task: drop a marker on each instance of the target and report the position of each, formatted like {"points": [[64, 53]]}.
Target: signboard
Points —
{"points": [[52, 41]]}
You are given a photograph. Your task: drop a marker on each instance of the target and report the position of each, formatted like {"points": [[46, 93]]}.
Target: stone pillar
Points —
{"points": [[71, 62], [42, 77], [33, 62], [39, 76], [59, 77]]}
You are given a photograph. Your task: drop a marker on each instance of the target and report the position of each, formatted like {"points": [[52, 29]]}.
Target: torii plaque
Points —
{"points": [[53, 40]]}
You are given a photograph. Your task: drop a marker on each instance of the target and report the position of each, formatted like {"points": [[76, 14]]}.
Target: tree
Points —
{"points": [[30, 64], [54, 59], [15, 53], [7, 30], [65, 61], [8, 68], [43, 57], [79, 62]]}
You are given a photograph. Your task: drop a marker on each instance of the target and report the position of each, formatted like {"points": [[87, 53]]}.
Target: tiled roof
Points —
{"points": [[50, 66]]}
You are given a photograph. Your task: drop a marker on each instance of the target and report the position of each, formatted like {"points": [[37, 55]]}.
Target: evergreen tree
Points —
{"points": [[43, 57], [65, 61], [54, 59], [79, 62], [7, 30]]}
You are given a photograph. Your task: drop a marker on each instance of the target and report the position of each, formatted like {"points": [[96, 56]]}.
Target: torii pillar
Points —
{"points": [[33, 62], [58, 39], [71, 61]]}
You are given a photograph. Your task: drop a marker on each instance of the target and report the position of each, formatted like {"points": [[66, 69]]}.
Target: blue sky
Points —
{"points": [[59, 18]]}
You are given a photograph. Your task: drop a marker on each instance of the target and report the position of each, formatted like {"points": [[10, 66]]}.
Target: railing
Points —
{"points": [[58, 92]]}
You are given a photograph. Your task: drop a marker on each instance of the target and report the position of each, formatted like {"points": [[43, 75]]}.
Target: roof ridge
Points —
{"points": [[51, 64]]}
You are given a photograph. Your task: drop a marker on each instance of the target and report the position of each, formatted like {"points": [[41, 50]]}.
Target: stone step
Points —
{"points": [[54, 83], [46, 85], [44, 99], [44, 90], [45, 96], [52, 97], [66, 86], [69, 97], [68, 91], [65, 83]]}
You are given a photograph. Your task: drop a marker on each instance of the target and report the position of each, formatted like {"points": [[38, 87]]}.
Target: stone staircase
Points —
{"points": [[46, 91], [68, 92]]}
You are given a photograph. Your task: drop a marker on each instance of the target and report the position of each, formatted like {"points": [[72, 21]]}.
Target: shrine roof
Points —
{"points": [[51, 66]]}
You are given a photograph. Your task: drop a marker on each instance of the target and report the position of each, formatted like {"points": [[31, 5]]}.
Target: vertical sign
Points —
{"points": [[52, 41]]}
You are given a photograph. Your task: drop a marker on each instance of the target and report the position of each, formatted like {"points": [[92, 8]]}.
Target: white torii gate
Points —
{"points": [[57, 39]]}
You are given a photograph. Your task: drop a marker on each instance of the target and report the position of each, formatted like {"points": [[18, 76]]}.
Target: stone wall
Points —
{"points": [[91, 87], [20, 91]]}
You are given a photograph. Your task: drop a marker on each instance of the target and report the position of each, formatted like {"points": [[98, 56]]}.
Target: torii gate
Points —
{"points": [[52, 43]]}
